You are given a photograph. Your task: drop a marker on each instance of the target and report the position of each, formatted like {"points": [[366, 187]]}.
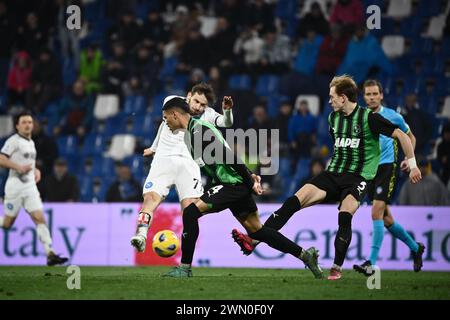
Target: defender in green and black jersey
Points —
{"points": [[233, 187], [354, 163]]}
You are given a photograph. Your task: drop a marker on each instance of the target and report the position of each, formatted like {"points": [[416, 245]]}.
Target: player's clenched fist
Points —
{"points": [[227, 103]]}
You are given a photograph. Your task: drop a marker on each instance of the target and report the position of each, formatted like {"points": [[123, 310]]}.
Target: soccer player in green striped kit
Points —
{"points": [[233, 188], [353, 166]]}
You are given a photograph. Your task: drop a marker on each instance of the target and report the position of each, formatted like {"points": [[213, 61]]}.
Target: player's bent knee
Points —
{"points": [[309, 194]]}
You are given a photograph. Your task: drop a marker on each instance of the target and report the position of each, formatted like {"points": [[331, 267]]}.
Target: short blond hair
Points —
{"points": [[345, 85]]}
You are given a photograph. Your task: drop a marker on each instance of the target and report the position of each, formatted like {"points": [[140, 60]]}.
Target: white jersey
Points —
{"points": [[22, 151], [168, 143]]}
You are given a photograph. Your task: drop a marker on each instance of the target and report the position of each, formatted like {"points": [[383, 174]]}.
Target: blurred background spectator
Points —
{"points": [[125, 188], [61, 186]]}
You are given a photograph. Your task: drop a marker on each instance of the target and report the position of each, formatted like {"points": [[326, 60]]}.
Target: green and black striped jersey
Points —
{"points": [[215, 158], [356, 141]]}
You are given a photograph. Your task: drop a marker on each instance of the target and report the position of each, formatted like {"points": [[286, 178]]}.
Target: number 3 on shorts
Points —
{"points": [[361, 187]]}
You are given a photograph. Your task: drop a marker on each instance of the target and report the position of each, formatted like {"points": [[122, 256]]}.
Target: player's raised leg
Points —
{"points": [[149, 205], [45, 238], [307, 196]]}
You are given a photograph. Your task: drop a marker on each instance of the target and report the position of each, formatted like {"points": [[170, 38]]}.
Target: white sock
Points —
{"points": [[142, 230], [1, 222], [44, 237]]}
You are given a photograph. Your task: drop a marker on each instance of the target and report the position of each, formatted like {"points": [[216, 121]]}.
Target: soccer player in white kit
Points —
{"points": [[173, 164], [19, 156]]}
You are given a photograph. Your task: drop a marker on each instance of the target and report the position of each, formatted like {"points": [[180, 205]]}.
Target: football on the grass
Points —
{"points": [[165, 243]]}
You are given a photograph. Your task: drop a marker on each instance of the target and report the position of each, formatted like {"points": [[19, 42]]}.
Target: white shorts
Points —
{"points": [[181, 172], [31, 201]]}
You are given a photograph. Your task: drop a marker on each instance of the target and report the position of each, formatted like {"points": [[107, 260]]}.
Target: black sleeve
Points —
{"points": [[236, 164], [380, 125]]}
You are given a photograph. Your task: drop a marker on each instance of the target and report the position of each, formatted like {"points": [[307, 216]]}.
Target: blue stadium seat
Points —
{"points": [[410, 26], [136, 164], [179, 82], [267, 85], [94, 144], [157, 102], [273, 104], [240, 82], [67, 145], [169, 67], [135, 105], [97, 166], [421, 46], [286, 9]]}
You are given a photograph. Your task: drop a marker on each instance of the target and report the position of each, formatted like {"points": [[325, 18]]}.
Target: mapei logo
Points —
{"points": [[347, 142]]}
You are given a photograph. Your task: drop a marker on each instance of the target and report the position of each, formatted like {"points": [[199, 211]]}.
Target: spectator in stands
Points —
{"points": [[19, 78], [315, 168], [46, 82], [364, 57], [90, 68], [443, 154], [155, 30], [217, 80], [281, 123], [260, 119], [196, 76], [31, 36], [145, 67], [75, 112], [418, 121], [259, 14], [306, 58], [221, 45], [127, 30], [46, 148], [249, 49], [276, 52], [314, 20], [331, 51], [125, 188], [114, 71], [429, 192], [8, 37], [61, 186], [302, 131], [349, 13], [194, 52]]}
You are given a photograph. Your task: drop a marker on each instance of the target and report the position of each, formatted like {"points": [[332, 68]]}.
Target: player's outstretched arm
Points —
{"points": [[226, 120], [6, 163], [407, 147]]}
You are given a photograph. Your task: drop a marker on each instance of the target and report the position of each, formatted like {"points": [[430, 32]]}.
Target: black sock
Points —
{"points": [[343, 237], [277, 241], [280, 217], [191, 214]]}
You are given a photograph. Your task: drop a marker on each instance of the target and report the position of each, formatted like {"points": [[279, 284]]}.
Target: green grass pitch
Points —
{"points": [[215, 283]]}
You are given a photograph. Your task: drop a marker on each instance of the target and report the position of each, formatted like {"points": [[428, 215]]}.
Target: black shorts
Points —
{"points": [[339, 185], [383, 185], [237, 198]]}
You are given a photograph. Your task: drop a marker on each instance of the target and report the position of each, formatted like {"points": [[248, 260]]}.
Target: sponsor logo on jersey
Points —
{"points": [[148, 185], [10, 206], [357, 129], [347, 142]]}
